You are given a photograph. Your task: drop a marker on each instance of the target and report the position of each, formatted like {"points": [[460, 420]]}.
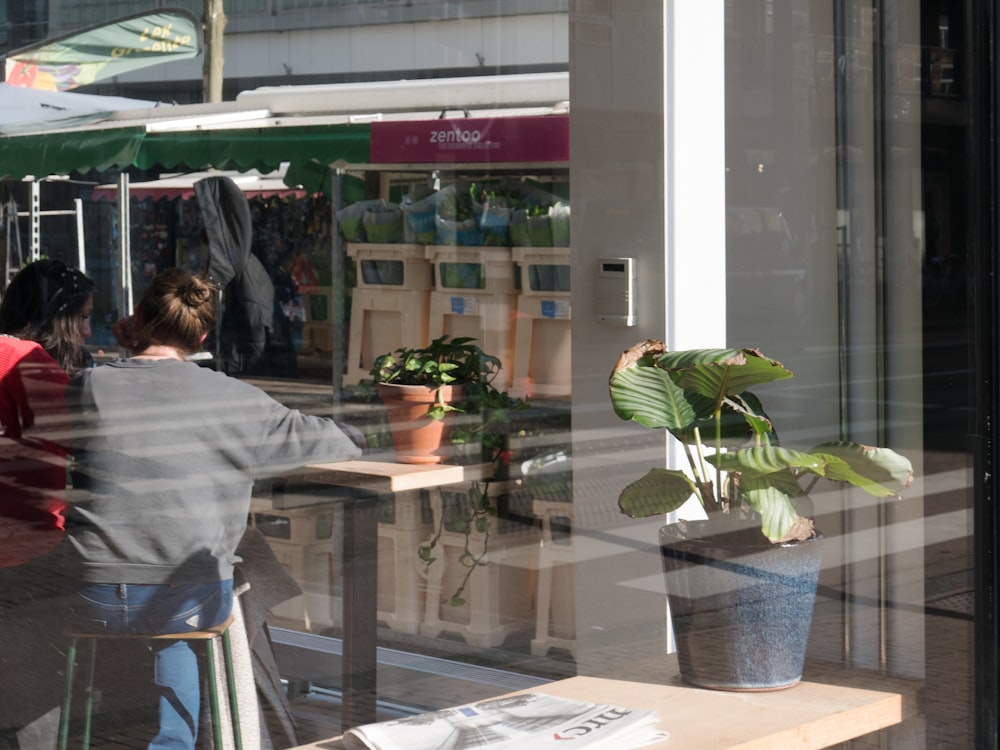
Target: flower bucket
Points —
{"points": [[383, 223], [466, 233]]}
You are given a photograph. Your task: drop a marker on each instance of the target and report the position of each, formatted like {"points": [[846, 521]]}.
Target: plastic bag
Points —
{"points": [[419, 211], [351, 220], [383, 222], [457, 218], [530, 229]]}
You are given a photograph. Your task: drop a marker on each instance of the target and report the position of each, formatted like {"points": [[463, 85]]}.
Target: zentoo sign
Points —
{"points": [[471, 139]]}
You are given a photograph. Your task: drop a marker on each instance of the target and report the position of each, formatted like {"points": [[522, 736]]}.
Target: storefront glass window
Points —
{"points": [[850, 241], [852, 153]]}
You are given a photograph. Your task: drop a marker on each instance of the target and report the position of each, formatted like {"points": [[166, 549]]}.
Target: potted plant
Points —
{"points": [[424, 387], [740, 584]]}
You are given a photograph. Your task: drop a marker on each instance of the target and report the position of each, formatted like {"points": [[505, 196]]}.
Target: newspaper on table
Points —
{"points": [[530, 720]]}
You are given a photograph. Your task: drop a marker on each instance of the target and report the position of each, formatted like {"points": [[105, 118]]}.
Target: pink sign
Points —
{"points": [[472, 139]]}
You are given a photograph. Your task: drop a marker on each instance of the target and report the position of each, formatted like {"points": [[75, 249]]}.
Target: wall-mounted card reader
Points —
{"points": [[615, 291]]}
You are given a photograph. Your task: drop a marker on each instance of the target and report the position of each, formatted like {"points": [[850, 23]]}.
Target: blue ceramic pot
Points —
{"points": [[741, 607]]}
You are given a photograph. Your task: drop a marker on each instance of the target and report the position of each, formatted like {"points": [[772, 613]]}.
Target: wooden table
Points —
{"points": [[359, 483], [808, 716]]}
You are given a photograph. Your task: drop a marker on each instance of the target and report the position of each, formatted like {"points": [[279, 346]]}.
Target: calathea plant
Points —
{"points": [[736, 465]]}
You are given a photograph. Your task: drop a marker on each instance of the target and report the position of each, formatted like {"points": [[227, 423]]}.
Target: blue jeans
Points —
{"points": [[128, 609]]}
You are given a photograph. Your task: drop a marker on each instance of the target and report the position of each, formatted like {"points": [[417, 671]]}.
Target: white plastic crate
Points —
{"points": [[381, 322], [389, 266], [400, 588], [543, 271], [542, 351], [472, 270], [488, 318], [306, 542]]}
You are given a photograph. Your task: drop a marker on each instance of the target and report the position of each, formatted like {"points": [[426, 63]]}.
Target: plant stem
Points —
{"points": [[718, 452], [700, 471]]}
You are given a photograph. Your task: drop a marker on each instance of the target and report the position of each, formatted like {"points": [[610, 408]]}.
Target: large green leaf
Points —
{"points": [[771, 496], [718, 373], [646, 394], [878, 471], [766, 460], [752, 411], [660, 491]]}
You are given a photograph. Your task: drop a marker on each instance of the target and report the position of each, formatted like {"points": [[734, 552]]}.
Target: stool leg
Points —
{"points": [[89, 704], [68, 695], [234, 705], [213, 693]]}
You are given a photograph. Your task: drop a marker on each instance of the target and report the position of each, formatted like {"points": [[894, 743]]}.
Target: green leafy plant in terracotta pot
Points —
{"points": [[445, 392], [757, 555], [450, 377]]}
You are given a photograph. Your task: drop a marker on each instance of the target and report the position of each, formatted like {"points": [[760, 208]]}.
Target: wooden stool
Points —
{"points": [[207, 635]]}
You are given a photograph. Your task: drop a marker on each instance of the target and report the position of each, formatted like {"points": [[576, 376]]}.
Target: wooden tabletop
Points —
{"points": [[389, 476], [808, 716]]}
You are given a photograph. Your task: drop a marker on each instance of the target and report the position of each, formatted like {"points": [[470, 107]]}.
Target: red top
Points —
{"points": [[32, 468]]}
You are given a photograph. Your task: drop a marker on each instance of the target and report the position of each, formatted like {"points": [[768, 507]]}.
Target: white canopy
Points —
{"points": [[24, 110]]}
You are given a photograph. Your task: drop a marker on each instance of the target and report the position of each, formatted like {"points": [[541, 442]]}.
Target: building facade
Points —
{"points": [[286, 43]]}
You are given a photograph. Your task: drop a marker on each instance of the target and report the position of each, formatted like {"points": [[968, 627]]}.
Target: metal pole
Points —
{"points": [[81, 253], [124, 248], [337, 290], [35, 220]]}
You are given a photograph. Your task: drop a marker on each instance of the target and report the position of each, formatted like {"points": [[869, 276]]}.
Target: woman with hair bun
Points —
{"points": [[164, 466]]}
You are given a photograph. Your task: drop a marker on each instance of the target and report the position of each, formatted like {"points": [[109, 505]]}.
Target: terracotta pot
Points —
{"points": [[741, 607], [417, 438]]}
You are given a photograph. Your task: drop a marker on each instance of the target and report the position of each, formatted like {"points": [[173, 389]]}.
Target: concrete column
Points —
{"points": [[648, 182]]}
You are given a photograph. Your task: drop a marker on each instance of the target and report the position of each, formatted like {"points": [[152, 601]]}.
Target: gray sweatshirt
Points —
{"points": [[165, 456]]}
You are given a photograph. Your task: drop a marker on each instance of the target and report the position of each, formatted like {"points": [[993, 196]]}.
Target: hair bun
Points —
{"points": [[193, 292]]}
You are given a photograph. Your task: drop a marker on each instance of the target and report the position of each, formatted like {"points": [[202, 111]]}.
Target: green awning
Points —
{"points": [[47, 154], [309, 149]]}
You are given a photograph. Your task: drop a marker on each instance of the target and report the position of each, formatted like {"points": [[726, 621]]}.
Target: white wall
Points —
{"points": [[648, 181], [501, 41]]}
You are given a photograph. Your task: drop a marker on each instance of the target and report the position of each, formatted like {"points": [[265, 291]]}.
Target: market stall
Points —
{"points": [[472, 239], [307, 129]]}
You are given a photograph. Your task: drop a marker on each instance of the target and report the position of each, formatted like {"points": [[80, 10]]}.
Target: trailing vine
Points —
{"points": [[478, 519]]}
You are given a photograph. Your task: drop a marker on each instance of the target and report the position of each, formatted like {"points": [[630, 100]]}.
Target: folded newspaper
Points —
{"points": [[531, 720]]}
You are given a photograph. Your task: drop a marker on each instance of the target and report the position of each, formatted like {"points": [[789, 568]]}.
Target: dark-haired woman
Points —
{"points": [[50, 302], [162, 481], [44, 321], [43, 324]]}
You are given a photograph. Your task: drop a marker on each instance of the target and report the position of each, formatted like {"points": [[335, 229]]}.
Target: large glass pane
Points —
{"points": [[850, 212], [847, 239]]}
